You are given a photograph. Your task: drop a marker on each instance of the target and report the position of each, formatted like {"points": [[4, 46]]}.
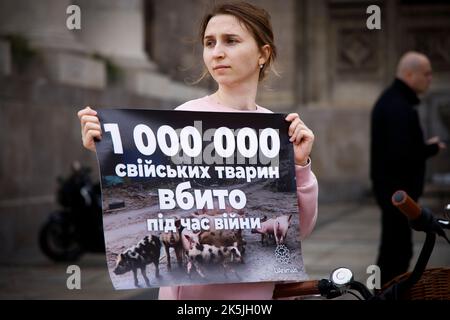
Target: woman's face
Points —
{"points": [[230, 52]]}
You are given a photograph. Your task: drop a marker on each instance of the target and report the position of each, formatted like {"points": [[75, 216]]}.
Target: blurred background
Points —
{"points": [[146, 54]]}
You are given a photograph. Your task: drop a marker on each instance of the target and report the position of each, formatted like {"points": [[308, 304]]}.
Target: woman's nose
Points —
{"points": [[218, 51]]}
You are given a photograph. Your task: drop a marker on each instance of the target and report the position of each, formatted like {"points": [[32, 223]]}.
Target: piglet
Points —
{"points": [[173, 239], [281, 228], [266, 230], [274, 227], [147, 251]]}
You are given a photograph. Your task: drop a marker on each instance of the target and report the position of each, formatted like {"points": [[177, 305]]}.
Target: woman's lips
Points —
{"points": [[221, 67]]}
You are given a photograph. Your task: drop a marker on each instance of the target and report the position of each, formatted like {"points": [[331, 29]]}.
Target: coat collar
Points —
{"points": [[406, 91]]}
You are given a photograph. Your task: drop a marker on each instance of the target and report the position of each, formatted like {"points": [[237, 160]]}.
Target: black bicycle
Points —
{"points": [[421, 283]]}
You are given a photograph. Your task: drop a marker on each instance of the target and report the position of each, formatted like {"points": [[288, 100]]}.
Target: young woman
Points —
{"points": [[238, 52]]}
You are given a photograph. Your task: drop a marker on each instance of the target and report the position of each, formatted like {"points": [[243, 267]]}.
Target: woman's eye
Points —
{"points": [[232, 41], [209, 44]]}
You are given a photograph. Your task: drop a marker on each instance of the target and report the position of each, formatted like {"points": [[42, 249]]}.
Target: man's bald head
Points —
{"points": [[414, 69]]}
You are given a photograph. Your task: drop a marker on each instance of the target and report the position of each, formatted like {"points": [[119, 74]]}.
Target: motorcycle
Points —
{"points": [[77, 227]]}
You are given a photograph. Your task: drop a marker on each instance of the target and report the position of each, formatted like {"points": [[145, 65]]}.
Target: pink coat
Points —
{"points": [[307, 191]]}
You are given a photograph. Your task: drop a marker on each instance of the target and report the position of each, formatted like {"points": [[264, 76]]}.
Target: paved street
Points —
{"points": [[346, 235]]}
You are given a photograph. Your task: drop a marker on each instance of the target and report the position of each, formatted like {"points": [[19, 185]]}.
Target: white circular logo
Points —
{"points": [[282, 254]]}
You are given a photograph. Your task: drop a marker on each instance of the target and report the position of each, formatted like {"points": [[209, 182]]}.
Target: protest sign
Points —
{"points": [[198, 198]]}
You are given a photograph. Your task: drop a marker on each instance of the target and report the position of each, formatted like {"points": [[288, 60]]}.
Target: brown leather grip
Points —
{"points": [[305, 288], [406, 205]]}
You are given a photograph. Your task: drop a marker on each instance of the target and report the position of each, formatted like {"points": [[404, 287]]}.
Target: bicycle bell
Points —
{"points": [[341, 277]]}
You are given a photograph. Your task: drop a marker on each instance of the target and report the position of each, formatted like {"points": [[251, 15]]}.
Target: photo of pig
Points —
{"points": [[204, 256], [147, 251], [274, 228], [198, 254], [172, 239]]}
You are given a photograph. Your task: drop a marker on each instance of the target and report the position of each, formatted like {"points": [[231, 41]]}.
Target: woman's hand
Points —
{"points": [[302, 137], [90, 127]]}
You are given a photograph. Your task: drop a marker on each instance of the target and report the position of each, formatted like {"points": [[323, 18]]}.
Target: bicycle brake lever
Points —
{"points": [[328, 289], [428, 223], [444, 223]]}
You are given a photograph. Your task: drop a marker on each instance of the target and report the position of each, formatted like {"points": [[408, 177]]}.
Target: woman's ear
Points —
{"points": [[266, 51]]}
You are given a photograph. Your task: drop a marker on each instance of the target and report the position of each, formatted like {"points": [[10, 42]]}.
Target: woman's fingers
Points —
{"points": [[294, 135], [294, 124], [88, 139], [305, 134], [89, 119], [290, 117], [86, 111], [90, 127], [295, 121], [302, 138], [301, 131], [91, 134]]}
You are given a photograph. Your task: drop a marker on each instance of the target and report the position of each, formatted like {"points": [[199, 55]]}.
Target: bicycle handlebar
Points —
{"points": [[305, 288], [406, 205], [420, 220]]}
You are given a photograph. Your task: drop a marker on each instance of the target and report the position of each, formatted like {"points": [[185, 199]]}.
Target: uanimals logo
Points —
{"points": [[283, 257]]}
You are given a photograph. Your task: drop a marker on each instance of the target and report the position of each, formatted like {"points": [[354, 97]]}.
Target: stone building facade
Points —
{"points": [[146, 53], [332, 69]]}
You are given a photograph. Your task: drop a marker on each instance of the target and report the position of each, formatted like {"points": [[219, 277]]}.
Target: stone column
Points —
{"points": [[115, 29], [43, 25], [316, 91], [41, 22]]}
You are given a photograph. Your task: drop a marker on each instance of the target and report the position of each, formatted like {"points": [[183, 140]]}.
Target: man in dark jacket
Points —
{"points": [[398, 156]]}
